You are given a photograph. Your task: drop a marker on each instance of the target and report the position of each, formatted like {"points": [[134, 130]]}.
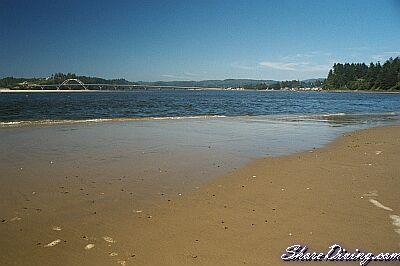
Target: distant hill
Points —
{"points": [[211, 83], [216, 83], [58, 78]]}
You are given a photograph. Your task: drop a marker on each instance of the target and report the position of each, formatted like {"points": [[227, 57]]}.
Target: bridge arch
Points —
{"points": [[68, 81]]}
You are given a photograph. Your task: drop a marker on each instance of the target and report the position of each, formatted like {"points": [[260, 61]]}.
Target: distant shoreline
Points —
{"points": [[4, 90], [18, 91]]}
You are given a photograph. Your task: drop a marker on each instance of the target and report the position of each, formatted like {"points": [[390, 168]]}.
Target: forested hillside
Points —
{"points": [[360, 76]]}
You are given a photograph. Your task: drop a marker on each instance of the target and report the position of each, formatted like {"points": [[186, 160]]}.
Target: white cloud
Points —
{"points": [[183, 76], [385, 55], [279, 65], [242, 66], [360, 48], [296, 66], [190, 74]]}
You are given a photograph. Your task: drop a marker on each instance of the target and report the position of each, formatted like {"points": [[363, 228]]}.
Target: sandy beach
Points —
{"points": [[345, 192]]}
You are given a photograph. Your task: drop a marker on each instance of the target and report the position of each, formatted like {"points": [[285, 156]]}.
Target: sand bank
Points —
{"points": [[346, 192]]}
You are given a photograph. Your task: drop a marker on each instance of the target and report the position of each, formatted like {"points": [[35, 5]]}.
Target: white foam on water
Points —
{"points": [[100, 120], [380, 205]]}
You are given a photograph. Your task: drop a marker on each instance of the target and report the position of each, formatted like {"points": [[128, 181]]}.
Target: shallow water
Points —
{"points": [[169, 141], [165, 155]]}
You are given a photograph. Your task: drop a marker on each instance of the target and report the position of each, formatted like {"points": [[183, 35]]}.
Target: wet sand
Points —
{"points": [[346, 192]]}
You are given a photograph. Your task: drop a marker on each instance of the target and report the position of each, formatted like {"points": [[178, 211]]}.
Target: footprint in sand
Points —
{"points": [[53, 243]]}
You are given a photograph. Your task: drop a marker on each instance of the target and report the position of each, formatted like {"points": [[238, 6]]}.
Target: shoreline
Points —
{"points": [[247, 216], [199, 89], [316, 198], [271, 117]]}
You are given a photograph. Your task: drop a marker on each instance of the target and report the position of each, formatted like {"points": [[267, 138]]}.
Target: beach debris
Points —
{"points": [[378, 152], [108, 239], [282, 189], [379, 205], [369, 164], [51, 162], [179, 194], [33, 192], [308, 188], [254, 176], [290, 234], [113, 254], [89, 246], [53, 243], [373, 193], [396, 222], [139, 211], [122, 262], [15, 219], [56, 228]]}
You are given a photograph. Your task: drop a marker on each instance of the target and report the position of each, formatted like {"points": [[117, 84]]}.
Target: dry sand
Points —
{"points": [[344, 193]]}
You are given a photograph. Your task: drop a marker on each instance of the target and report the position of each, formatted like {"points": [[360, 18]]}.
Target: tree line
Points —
{"points": [[287, 84], [360, 76]]}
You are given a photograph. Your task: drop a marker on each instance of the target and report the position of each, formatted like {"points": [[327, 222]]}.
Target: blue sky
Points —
{"points": [[194, 40]]}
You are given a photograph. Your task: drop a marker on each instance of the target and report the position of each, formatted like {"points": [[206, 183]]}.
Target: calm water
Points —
{"points": [[17, 107]]}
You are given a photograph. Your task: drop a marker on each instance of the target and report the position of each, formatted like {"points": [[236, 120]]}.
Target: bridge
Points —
{"points": [[76, 84]]}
